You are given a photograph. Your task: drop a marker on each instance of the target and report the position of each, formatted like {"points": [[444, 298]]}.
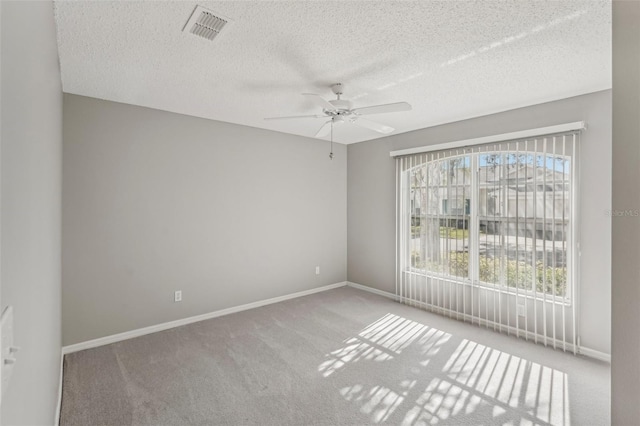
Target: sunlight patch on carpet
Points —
{"points": [[442, 378]]}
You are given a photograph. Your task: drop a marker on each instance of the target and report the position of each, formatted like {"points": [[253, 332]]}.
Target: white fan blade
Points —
{"points": [[379, 109], [320, 101], [296, 116], [368, 124], [324, 130]]}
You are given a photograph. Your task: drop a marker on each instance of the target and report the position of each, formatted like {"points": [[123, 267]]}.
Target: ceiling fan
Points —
{"points": [[341, 110]]}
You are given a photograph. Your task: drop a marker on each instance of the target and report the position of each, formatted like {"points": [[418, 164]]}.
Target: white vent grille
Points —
{"points": [[205, 23]]}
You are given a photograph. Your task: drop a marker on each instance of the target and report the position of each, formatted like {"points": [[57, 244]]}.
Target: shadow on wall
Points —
{"points": [[439, 382]]}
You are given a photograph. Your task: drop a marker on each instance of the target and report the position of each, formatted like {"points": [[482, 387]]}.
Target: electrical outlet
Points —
{"points": [[520, 310], [177, 297], [317, 270]]}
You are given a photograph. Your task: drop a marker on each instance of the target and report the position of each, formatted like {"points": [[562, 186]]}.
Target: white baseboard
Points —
{"points": [[172, 324], [373, 290], [591, 353], [56, 422]]}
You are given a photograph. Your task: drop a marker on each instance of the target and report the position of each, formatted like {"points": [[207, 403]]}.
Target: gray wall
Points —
{"points": [[31, 191], [625, 341], [371, 204], [155, 202]]}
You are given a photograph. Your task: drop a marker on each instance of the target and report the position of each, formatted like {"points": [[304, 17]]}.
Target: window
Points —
{"points": [[495, 222]]}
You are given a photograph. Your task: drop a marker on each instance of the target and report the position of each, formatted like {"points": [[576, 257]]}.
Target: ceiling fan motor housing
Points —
{"points": [[342, 107]]}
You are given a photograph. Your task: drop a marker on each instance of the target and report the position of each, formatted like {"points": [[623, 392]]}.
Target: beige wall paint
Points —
{"points": [[155, 202], [371, 204], [625, 364], [30, 219]]}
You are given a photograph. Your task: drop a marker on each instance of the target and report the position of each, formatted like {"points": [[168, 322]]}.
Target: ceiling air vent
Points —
{"points": [[205, 23]]}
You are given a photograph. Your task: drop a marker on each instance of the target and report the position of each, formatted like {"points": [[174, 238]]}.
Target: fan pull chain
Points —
{"points": [[331, 151]]}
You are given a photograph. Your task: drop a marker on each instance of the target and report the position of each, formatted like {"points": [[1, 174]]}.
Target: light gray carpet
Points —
{"points": [[340, 357]]}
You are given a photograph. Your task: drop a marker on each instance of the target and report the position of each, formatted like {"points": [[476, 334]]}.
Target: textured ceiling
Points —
{"points": [[451, 60]]}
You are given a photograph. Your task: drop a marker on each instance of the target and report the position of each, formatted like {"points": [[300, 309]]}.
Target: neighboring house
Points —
{"points": [[522, 206], [521, 194]]}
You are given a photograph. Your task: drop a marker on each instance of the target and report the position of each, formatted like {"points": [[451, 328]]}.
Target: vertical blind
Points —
{"points": [[487, 234]]}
